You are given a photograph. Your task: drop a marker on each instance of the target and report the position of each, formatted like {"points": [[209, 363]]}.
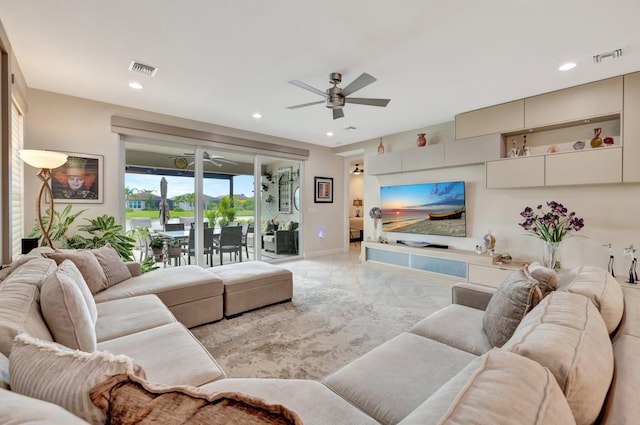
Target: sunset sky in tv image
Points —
{"points": [[414, 196]]}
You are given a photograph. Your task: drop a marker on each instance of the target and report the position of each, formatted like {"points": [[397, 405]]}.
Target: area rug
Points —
{"points": [[318, 332]]}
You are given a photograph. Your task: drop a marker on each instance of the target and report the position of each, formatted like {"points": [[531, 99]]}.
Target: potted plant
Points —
{"points": [[157, 246], [173, 248]]}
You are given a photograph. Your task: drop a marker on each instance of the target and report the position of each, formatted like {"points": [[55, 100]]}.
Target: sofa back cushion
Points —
{"points": [[622, 405], [34, 253], [600, 287], [112, 265], [87, 264], [497, 388], [20, 409], [546, 277], [4, 372], [566, 334], [65, 377], [630, 323], [518, 294], [32, 272], [65, 308], [20, 312]]}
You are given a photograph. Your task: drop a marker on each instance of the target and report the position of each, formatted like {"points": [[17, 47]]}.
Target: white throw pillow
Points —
{"points": [[52, 373]]}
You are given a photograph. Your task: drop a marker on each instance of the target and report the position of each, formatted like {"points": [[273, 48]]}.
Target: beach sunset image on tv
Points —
{"points": [[426, 208]]}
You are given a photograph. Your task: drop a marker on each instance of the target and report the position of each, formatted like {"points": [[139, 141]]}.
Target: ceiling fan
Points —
{"points": [[336, 97], [217, 160], [357, 170]]}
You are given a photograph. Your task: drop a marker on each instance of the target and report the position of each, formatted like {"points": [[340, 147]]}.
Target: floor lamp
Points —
{"points": [[45, 161]]}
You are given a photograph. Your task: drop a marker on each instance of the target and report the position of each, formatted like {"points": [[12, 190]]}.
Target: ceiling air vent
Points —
{"points": [[142, 68]]}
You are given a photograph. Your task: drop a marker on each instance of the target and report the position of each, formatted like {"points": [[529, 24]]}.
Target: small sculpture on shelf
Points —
{"points": [[489, 242], [381, 147], [610, 265], [633, 275], [422, 140], [525, 151], [514, 152], [596, 142]]}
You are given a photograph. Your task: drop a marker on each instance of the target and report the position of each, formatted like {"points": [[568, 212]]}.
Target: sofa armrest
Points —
{"points": [[134, 268], [471, 295]]}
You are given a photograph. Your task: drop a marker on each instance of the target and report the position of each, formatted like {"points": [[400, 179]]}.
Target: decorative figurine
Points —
{"points": [[514, 150], [525, 151], [633, 275], [610, 265], [489, 242]]}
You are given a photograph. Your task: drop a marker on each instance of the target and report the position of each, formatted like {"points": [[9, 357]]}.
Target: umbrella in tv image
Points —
{"points": [[76, 179]]}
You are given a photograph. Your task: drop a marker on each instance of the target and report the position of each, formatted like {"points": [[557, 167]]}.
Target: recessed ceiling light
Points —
{"points": [[257, 115], [329, 133], [567, 66], [135, 85]]}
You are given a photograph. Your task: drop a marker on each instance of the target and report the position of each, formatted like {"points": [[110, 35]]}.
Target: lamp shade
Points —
{"points": [[42, 159], [357, 202]]}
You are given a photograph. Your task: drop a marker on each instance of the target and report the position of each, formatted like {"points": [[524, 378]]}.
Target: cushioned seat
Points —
{"points": [[253, 284], [117, 318], [168, 354], [192, 294]]}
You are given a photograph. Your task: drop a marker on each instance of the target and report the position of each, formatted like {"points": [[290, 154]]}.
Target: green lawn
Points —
{"points": [[154, 214]]}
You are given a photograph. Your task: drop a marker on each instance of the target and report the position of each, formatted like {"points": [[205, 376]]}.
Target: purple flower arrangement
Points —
{"points": [[552, 225]]}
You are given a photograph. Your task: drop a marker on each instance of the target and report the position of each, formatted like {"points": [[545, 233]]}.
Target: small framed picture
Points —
{"points": [[323, 190], [79, 180]]}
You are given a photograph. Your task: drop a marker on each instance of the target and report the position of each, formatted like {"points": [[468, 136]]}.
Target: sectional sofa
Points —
{"points": [[570, 357]]}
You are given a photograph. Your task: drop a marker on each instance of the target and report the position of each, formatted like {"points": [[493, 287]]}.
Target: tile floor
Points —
{"points": [[414, 291]]}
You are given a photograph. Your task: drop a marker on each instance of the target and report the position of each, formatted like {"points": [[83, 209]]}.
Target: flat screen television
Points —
{"points": [[425, 208]]}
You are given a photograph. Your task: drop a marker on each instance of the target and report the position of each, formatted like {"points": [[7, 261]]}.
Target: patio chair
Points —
{"points": [[209, 245], [230, 241], [246, 229], [169, 227]]}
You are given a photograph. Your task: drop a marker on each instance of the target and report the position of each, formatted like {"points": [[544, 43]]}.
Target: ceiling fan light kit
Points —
{"points": [[336, 97]]}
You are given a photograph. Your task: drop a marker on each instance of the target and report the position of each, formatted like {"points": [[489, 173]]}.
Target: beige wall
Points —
{"points": [[609, 211], [72, 124]]}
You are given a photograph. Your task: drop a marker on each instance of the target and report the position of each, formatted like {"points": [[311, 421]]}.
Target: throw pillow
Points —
{"points": [[131, 400], [515, 297], [546, 277], [114, 268], [52, 373], [88, 265], [65, 309]]}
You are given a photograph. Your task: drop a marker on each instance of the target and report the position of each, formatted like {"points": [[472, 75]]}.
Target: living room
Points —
{"points": [[72, 120]]}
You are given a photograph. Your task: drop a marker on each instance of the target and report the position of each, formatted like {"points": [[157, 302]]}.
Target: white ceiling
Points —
{"points": [[221, 61]]}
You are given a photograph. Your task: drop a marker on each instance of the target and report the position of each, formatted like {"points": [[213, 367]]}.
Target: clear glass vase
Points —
{"points": [[551, 255]]}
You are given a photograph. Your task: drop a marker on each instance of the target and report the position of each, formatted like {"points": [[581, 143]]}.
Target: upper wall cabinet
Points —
{"points": [[576, 103], [503, 118], [631, 128], [474, 150], [426, 157], [387, 163]]}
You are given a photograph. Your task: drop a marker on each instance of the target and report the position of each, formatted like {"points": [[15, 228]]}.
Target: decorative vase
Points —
{"points": [[596, 142], [380, 147], [551, 255], [422, 140]]}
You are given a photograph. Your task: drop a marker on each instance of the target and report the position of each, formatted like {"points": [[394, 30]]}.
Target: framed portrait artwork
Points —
{"points": [[323, 189], [79, 180]]}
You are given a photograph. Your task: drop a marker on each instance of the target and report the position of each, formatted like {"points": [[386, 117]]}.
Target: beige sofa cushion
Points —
{"points": [[33, 272], [622, 405], [20, 312], [115, 270], [566, 334], [87, 264], [315, 403], [630, 323], [546, 277], [497, 388], [518, 294], [20, 409], [65, 308], [34, 253], [65, 377], [458, 326], [169, 354], [600, 287], [4, 372]]}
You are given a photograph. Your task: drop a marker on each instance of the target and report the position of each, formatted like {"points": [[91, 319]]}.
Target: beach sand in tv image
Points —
{"points": [[426, 208]]}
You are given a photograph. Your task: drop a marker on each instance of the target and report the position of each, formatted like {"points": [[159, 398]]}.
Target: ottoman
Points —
{"points": [[253, 284]]}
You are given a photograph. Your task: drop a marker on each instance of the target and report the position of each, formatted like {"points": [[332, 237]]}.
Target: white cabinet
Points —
{"points": [[501, 118], [631, 128], [516, 172], [594, 166], [384, 163], [430, 156], [489, 275], [576, 103], [474, 150]]}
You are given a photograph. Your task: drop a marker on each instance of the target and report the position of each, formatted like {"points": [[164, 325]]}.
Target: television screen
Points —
{"points": [[426, 208]]}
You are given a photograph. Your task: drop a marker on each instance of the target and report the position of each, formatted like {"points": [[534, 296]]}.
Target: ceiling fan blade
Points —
{"points": [[308, 87], [217, 164], [360, 82], [306, 104], [337, 113], [365, 101]]}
